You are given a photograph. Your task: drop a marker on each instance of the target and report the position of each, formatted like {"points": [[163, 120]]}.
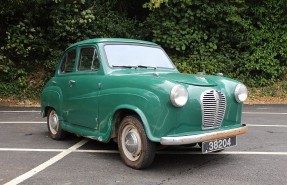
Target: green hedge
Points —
{"points": [[34, 33], [244, 39]]}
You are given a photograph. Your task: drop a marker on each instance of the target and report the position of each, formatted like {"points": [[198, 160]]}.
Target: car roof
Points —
{"points": [[107, 40]]}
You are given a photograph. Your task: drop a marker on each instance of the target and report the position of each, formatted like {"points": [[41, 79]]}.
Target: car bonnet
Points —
{"points": [[190, 79]]}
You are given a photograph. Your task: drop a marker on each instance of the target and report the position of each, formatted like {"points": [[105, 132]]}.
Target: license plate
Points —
{"points": [[219, 144]]}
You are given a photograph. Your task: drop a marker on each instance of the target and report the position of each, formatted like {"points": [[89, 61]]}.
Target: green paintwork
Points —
{"points": [[88, 107]]}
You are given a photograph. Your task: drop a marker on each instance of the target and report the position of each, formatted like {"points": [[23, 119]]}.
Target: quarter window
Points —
{"points": [[68, 62], [88, 60]]}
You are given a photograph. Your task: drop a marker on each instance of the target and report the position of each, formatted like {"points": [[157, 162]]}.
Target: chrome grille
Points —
{"points": [[213, 105]]}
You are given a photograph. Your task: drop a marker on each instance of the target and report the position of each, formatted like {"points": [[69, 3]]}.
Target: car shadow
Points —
{"points": [[168, 158]]}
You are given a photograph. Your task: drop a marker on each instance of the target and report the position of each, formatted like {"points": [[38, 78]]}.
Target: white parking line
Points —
{"points": [[158, 152], [35, 111], [254, 125], [268, 113], [98, 151], [40, 122], [31, 150], [54, 150], [46, 164], [19, 122], [19, 111], [193, 152], [224, 153], [253, 153]]}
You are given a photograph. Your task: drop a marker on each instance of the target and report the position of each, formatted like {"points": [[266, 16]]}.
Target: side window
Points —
{"points": [[68, 62], [88, 60]]}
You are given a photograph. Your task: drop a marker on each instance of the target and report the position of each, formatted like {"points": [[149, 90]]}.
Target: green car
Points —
{"points": [[130, 91]]}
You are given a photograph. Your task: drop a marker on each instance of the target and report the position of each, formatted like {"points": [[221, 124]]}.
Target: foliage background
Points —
{"points": [[244, 39]]}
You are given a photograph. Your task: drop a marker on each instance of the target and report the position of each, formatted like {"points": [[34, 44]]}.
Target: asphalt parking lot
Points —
{"points": [[29, 156]]}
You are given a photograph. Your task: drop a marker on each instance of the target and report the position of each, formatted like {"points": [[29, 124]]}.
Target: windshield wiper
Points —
{"points": [[138, 66], [142, 66], [125, 66]]}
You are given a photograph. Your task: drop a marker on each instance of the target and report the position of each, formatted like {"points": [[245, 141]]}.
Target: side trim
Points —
{"points": [[181, 140]]}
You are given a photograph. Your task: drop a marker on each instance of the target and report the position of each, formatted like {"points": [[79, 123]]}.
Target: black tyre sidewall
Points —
{"points": [[61, 134], [148, 148]]}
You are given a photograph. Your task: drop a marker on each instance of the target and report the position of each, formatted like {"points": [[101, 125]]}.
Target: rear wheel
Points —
{"points": [[136, 150], [54, 127]]}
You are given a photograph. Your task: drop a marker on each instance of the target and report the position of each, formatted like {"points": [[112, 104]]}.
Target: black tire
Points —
{"points": [[54, 126], [136, 150]]}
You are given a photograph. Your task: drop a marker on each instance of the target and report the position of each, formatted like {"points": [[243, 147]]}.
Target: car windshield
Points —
{"points": [[128, 56]]}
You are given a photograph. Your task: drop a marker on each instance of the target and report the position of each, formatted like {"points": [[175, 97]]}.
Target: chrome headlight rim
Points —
{"points": [[178, 96], [241, 93]]}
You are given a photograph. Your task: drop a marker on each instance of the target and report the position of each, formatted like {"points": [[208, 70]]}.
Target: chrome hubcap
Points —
{"points": [[131, 143], [53, 122]]}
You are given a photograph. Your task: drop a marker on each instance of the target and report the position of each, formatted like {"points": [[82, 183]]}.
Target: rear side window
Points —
{"points": [[68, 62], [88, 60]]}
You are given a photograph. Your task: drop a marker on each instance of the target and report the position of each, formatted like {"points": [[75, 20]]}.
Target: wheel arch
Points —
{"points": [[51, 99], [125, 110]]}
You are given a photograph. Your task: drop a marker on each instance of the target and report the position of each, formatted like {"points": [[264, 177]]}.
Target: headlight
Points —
{"points": [[178, 96], [241, 93]]}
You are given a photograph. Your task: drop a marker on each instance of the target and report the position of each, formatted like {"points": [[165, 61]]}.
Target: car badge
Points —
{"points": [[201, 78]]}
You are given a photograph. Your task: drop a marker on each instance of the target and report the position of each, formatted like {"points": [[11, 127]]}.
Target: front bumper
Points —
{"points": [[182, 140]]}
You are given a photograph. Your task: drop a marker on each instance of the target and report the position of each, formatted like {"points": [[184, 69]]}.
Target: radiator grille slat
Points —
{"points": [[213, 104]]}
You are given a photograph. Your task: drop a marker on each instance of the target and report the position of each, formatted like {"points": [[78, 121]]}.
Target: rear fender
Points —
{"points": [[51, 99]]}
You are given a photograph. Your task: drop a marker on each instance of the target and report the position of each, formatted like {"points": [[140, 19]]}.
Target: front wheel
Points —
{"points": [[54, 127], [136, 150]]}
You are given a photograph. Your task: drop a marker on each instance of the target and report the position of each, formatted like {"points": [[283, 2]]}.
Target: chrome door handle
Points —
{"points": [[71, 82]]}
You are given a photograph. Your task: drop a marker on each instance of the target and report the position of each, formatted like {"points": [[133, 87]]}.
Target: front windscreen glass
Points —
{"points": [[123, 55]]}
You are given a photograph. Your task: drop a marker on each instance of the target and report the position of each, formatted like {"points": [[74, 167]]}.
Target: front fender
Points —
{"points": [[143, 102]]}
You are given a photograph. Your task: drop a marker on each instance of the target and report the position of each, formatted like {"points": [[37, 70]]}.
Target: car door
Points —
{"points": [[64, 73], [84, 84]]}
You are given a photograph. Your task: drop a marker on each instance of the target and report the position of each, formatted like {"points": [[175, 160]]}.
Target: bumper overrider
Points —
{"points": [[181, 140]]}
